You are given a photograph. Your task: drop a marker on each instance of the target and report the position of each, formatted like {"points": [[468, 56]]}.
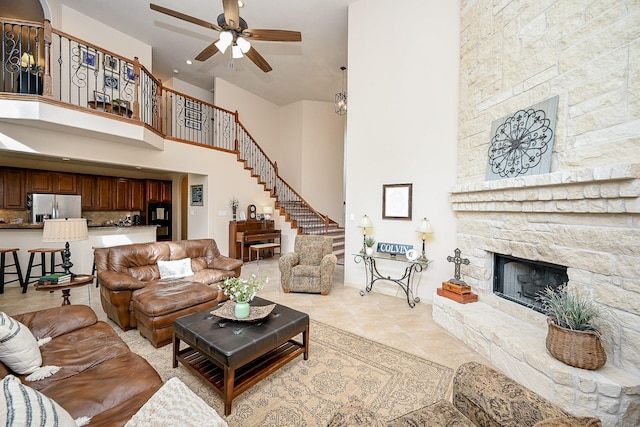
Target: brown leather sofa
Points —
{"points": [[134, 295], [99, 376]]}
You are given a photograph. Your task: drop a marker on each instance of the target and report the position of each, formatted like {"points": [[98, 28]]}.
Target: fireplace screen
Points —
{"points": [[522, 280]]}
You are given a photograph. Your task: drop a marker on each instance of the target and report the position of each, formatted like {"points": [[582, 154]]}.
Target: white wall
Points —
{"points": [[322, 159], [402, 128], [189, 89], [93, 31]]}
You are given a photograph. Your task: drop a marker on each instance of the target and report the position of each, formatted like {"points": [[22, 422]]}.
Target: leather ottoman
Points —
{"points": [[158, 304]]}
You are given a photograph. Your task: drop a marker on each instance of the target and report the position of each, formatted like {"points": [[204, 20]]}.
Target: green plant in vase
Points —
{"points": [[242, 291], [368, 243]]}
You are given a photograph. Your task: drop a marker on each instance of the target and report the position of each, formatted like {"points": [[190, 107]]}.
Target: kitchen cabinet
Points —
{"points": [[65, 183], [51, 182], [121, 194], [14, 195], [103, 196], [87, 184], [158, 191], [128, 194], [137, 194]]}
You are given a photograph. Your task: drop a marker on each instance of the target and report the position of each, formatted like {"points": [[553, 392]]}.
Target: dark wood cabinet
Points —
{"points": [[158, 191], [87, 184], [121, 194], [14, 188], [103, 196], [65, 183], [51, 182], [39, 181], [137, 194]]}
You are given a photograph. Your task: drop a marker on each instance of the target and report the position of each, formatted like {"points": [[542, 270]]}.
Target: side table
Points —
{"points": [[405, 281], [76, 281]]}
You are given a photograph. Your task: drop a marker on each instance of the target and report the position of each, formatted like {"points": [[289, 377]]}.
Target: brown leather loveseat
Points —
{"points": [[133, 293], [99, 376]]}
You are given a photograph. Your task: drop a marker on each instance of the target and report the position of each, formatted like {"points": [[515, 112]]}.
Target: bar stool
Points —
{"points": [[93, 269], [4, 265], [43, 265]]}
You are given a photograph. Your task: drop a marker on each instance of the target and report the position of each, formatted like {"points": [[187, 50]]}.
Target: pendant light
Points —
{"points": [[341, 97]]}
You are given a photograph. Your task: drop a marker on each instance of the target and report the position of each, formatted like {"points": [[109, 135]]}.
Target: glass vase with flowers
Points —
{"points": [[242, 291]]}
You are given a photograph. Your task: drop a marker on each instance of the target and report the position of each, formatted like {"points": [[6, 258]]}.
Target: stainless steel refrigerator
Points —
{"points": [[44, 206]]}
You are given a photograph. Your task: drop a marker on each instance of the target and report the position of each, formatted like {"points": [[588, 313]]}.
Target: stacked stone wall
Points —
{"points": [[584, 213]]}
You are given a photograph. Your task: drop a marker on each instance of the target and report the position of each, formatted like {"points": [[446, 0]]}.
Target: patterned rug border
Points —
{"points": [[343, 367]]}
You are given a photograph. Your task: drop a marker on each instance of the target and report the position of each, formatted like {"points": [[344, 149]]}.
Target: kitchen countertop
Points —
{"points": [[40, 226]]}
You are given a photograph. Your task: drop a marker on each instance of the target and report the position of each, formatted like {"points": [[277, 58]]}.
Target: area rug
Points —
{"points": [[342, 368]]}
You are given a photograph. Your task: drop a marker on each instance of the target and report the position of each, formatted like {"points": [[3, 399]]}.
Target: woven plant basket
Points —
{"points": [[581, 349]]}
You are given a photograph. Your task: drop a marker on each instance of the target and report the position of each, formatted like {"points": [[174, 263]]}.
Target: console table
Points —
{"points": [[405, 282]]}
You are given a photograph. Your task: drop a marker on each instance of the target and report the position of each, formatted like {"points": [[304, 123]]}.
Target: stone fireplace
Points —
{"points": [[585, 220]]}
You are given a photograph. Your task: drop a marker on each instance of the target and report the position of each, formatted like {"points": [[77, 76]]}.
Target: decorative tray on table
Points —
{"points": [[227, 311]]}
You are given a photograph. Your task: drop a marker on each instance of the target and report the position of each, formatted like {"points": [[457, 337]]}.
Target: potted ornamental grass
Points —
{"points": [[574, 335], [242, 291]]}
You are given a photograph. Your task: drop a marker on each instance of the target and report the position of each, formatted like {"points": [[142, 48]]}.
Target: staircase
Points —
{"points": [[291, 205]]}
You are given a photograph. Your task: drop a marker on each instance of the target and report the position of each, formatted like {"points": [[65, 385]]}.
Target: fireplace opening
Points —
{"points": [[521, 280]]}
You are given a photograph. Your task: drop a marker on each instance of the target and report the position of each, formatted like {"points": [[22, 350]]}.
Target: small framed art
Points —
{"points": [[111, 63], [197, 195], [88, 58], [396, 201]]}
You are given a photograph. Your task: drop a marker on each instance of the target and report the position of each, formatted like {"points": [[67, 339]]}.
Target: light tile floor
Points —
{"points": [[382, 318]]}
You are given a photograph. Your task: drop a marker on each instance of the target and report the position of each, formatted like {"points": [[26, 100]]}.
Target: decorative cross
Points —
{"points": [[457, 260]]}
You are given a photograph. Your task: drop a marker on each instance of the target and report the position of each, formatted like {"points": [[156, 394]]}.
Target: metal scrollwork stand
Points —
{"points": [[405, 282]]}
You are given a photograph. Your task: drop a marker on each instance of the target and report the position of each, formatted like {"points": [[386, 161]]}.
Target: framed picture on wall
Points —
{"points": [[396, 201], [111, 63], [88, 57], [197, 195]]}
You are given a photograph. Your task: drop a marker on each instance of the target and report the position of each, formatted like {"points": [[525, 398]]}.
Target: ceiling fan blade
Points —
{"points": [[273, 35], [184, 17], [257, 59], [208, 52], [231, 13]]}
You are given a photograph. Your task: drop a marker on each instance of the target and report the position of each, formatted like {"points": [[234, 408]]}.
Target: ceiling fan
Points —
{"points": [[234, 32]]}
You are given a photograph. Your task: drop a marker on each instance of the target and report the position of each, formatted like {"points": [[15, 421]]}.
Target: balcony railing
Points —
{"points": [[39, 60]]}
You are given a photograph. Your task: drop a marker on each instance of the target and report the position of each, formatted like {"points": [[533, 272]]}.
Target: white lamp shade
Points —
{"points": [[243, 44], [236, 52], [424, 227], [65, 230], [225, 41], [267, 210], [365, 222]]}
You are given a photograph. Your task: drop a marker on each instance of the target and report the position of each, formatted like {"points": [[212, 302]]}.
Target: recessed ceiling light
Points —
{"points": [[189, 62], [175, 71]]}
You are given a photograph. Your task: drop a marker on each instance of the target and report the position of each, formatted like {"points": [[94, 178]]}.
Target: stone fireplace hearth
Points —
{"points": [[586, 220]]}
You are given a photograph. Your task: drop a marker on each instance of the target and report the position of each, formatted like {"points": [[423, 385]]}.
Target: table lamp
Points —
{"points": [[365, 223], [267, 211], [424, 228], [65, 230]]}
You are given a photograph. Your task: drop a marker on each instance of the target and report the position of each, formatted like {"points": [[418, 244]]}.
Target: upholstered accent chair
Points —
{"points": [[310, 267]]}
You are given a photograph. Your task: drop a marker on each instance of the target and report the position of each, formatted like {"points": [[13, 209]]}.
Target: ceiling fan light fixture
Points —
{"points": [[243, 44], [236, 52], [226, 38]]}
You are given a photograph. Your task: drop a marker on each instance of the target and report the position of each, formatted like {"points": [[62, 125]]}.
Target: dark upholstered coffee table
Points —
{"points": [[233, 356]]}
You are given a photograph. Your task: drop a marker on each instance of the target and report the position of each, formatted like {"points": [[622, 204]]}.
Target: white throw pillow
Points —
{"points": [[20, 351], [23, 406], [174, 404], [175, 269]]}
